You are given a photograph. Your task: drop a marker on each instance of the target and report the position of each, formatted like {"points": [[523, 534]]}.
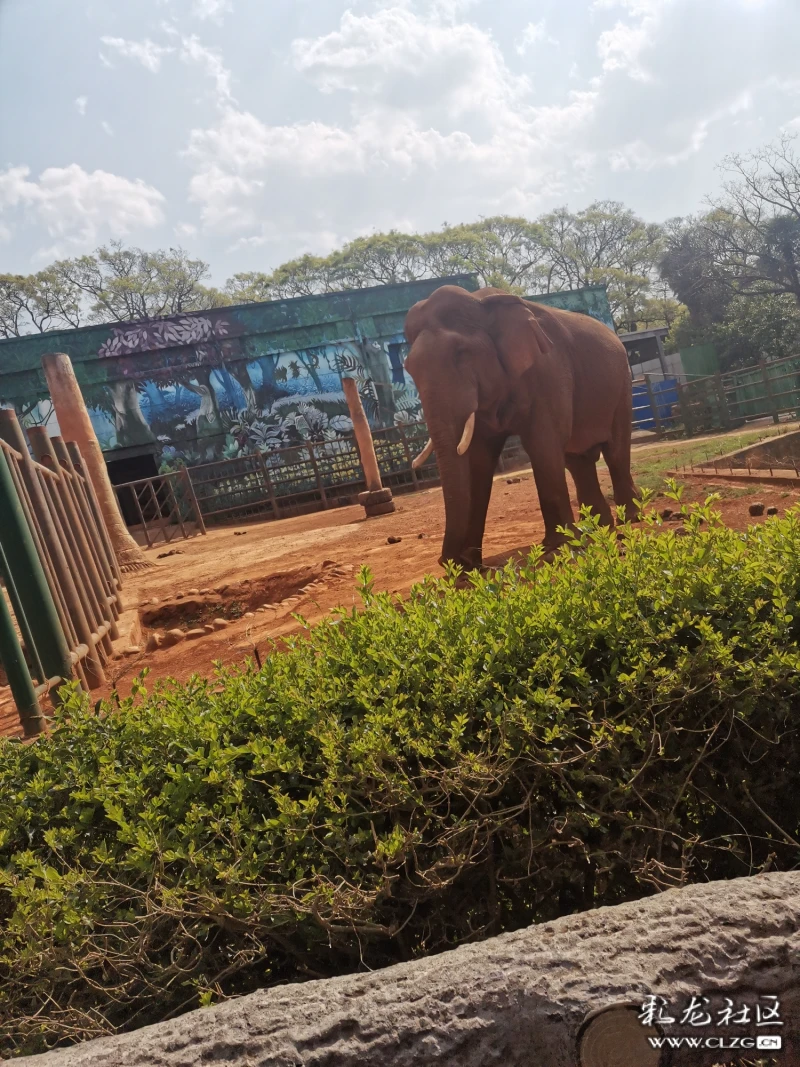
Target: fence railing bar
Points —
{"points": [[159, 517], [175, 507], [138, 503], [77, 460], [93, 538], [189, 485], [25, 574], [80, 584], [43, 450], [86, 544]]}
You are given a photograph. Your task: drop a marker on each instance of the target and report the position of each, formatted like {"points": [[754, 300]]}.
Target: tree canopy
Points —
{"points": [[729, 274]]}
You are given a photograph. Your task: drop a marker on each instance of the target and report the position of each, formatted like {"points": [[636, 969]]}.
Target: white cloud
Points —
{"points": [[76, 206], [107, 128], [192, 51], [408, 112], [406, 61], [624, 46], [432, 102], [146, 52], [533, 32], [211, 9], [80, 104]]}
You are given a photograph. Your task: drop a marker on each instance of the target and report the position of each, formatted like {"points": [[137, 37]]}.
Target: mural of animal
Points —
{"points": [[490, 365]]}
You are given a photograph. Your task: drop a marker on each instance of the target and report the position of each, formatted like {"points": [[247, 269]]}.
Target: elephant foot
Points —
{"points": [[469, 560], [552, 544]]}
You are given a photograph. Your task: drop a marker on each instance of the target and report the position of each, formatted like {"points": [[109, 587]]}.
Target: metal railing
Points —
{"points": [[165, 506], [767, 389], [61, 580], [314, 476]]}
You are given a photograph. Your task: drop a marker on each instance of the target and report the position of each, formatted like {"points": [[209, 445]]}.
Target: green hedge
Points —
{"points": [[409, 777]]}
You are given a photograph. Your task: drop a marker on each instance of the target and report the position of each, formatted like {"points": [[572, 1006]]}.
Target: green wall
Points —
{"points": [[193, 388], [593, 300], [699, 361]]}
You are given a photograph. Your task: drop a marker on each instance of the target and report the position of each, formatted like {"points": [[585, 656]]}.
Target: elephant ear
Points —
{"points": [[519, 339]]}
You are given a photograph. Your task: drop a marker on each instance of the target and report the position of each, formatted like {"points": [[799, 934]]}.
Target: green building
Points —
{"points": [[208, 385]]}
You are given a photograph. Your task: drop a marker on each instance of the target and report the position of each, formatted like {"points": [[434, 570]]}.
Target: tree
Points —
{"points": [[659, 309], [381, 259], [758, 327], [756, 225], [305, 276], [249, 287], [37, 302], [691, 265], [606, 244], [129, 284]]}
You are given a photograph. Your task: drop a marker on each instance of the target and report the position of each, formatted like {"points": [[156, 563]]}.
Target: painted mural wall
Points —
{"points": [[224, 383]]}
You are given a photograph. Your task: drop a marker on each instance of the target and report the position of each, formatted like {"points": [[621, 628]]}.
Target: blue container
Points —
{"points": [[665, 396]]}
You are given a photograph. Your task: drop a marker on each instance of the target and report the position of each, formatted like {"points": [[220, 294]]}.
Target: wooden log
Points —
{"points": [[75, 425]]}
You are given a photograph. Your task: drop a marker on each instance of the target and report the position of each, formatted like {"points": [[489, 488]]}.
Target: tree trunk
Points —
{"points": [[376, 363], [312, 370], [75, 425], [240, 372], [129, 422], [209, 421]]}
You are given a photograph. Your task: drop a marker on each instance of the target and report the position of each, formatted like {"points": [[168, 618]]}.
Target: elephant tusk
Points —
{"points": [[466, 437], [423, 455]]}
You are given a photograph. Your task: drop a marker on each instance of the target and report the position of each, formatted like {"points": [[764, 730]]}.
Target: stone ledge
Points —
{"points": [[517, 1000]]}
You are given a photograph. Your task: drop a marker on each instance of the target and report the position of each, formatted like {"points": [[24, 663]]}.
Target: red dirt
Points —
{"points": [[234, 571]]}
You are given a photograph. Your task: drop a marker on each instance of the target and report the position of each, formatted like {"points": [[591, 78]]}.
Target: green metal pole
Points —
{"points": [[28, 577], [19, 677]]}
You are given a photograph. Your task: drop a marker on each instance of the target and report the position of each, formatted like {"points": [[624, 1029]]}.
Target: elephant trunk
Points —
{"points": [[454, 472]]}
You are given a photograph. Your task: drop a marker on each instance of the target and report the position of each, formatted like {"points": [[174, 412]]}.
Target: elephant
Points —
{"points": [[489, 365]]}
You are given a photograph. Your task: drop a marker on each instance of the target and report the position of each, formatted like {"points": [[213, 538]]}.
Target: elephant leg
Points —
{"points": [[617, 454], [583, 469], [483, 456], [547, 456]]}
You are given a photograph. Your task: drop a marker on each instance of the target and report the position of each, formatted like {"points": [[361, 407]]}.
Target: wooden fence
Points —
{"points": [[61, 583]]}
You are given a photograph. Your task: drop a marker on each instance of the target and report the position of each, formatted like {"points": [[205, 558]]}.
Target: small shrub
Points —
{"points": [[407, 778]]}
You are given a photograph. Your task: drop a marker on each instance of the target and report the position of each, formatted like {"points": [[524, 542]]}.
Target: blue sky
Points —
{"points": [[252, 131]]}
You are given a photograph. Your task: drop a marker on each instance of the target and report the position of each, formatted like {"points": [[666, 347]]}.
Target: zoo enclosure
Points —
{"points": [[719, 401], [314, 476], [60, 599]]}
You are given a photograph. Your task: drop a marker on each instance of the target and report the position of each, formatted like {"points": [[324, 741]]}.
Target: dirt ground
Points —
{"points": [[250, 580]]}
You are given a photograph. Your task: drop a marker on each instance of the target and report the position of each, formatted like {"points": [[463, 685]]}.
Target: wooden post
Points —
{"points": [[376, 500], [772, 402], [75, 425]]}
